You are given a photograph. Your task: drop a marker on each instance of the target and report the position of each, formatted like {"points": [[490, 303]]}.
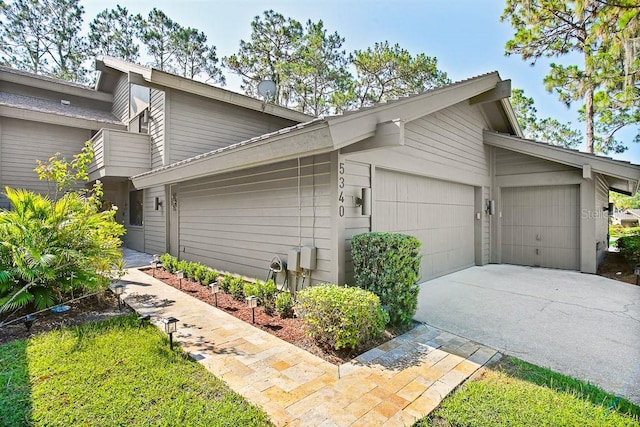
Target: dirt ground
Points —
{"points": [[616, 267], [290, 330]]}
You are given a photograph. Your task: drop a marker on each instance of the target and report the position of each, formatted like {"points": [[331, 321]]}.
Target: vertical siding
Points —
{"points": [[198, 125], [239, 221], [120, 107], [155, 221], [24, 141], [357, 176], [157, 128], [451, 137], [602, 218]]}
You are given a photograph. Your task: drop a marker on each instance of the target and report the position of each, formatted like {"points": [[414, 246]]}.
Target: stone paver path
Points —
{"points": [[393, 384]]}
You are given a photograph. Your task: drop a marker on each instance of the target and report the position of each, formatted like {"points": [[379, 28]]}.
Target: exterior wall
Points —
{"points": [[198, 125], [602, 220], [155, 222], [157, 128], [239, 221], [357, 177], [22, 142], [120, 107]]}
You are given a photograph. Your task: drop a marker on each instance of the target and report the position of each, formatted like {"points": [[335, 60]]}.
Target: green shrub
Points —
{"points": [[200, 274], [210, 277], [226, 282], [265, 291], [388, 264], [629, 247], [236, 288], [341, 316], [190, 271], [251, 289], [183, 265], [169, 263], [284, 304]]}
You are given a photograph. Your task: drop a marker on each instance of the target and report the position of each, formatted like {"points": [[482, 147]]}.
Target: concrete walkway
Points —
{"points": [[394, 384]]}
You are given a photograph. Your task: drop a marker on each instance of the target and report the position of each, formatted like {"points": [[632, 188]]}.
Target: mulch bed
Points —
{"points": [[290, 330], [617, 267], [93, 308]]}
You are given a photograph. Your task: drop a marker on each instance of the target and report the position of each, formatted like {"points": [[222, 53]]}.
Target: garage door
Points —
{"points": [[438, 213], [540, 226]]}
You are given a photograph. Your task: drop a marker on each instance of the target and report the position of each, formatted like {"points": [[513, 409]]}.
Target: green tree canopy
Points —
{"points": [[596, 32], [113, 32]]}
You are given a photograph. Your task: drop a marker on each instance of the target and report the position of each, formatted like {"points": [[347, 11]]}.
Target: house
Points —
{"points": [[626, 217], [210, 175]]}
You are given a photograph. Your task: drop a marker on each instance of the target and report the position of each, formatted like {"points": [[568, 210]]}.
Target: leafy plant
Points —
{"points": [[226, 282], [341, 316], [53, 248], [284, 304], [629, 247], [200, 274], [168, 262], [251, 289], [236, 288], [210, 277], [268, 291], [388, 264], [182, 265]]}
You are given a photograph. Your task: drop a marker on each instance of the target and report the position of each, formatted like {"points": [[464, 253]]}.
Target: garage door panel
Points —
{"points": [[540, 226], [439, 213]]}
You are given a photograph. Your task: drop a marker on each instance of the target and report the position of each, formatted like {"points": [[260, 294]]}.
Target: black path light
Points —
{"points": [[170, 326], [28, 321], [143, 319], [252, 301], [215, 288], [118, 290], [156, 263], [180, 276]]}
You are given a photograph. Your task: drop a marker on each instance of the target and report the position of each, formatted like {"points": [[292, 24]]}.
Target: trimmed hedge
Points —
{"points": [[629, 247], [341, 316], [388, 264]]}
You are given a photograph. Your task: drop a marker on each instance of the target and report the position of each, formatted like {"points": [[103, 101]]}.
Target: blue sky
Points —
{"points": [[466, 36]]}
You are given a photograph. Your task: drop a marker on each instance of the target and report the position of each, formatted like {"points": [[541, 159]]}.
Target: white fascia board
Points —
{"points": [[615, 168], [301, 143], [358, 125]]}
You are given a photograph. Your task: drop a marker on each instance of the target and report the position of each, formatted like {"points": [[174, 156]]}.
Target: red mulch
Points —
{"points": [[290, 330], [93, 308]]}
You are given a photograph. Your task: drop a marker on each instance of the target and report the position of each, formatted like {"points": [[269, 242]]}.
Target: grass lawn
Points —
{"points": [[515, 393], [112, 374]]}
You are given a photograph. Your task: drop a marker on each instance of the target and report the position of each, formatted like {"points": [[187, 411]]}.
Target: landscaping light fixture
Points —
{"points": [[252, 302], [180, 276], [118, 290], [156, 263], [170, 327], [144, 319], [215, 288], [28, 321]]}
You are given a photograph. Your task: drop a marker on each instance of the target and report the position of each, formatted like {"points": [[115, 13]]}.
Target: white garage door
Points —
{"points": [[438, 213], [540, 226]]}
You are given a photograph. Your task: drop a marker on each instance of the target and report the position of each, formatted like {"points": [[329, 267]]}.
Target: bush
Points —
{"points": [[388, 264], [169, 263], [341, 316], [210, 277], [251, 289], [629, 247], [284, 304], [236, 288], [265, 291], [200, 274], [182, 266], [226, 282]]}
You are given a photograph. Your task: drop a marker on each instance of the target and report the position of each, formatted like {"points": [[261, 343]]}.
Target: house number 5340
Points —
{"points": [[341, 188]]}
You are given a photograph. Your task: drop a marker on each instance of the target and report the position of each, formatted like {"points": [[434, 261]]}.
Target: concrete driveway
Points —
{"points": [[582, 325]]}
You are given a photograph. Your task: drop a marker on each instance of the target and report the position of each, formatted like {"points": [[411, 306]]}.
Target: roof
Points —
{"points": [[142, 75], [43, 78], [625, 176], [323, 134], [626, 215], [52, 107]]}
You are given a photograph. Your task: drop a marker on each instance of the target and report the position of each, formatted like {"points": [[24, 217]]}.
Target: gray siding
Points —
{"points": [[120, 107], [602, 218], [22, 142], [451, 137], [486, 227], [155, 221], [198, 125], [357, 176], [512, 163], [239, 221], [157, 128]]}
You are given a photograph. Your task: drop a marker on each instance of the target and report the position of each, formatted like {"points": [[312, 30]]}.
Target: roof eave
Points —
{"points": [[56, 119]]}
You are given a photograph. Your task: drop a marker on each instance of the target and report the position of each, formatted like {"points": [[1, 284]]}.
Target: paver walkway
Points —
{"points": [[393, 384]]}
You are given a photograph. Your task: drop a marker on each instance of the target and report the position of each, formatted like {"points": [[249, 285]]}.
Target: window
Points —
{"points": [[136, 202], [139, 99]]}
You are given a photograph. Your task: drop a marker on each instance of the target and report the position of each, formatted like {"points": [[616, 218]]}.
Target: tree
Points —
{"points": [[114, 32], [157, 35], [193, 57], [386, 72], [319, 74], [274, 43], [67, 47], [23, 35], [52, 248], [593, 29], [546, 129]]}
